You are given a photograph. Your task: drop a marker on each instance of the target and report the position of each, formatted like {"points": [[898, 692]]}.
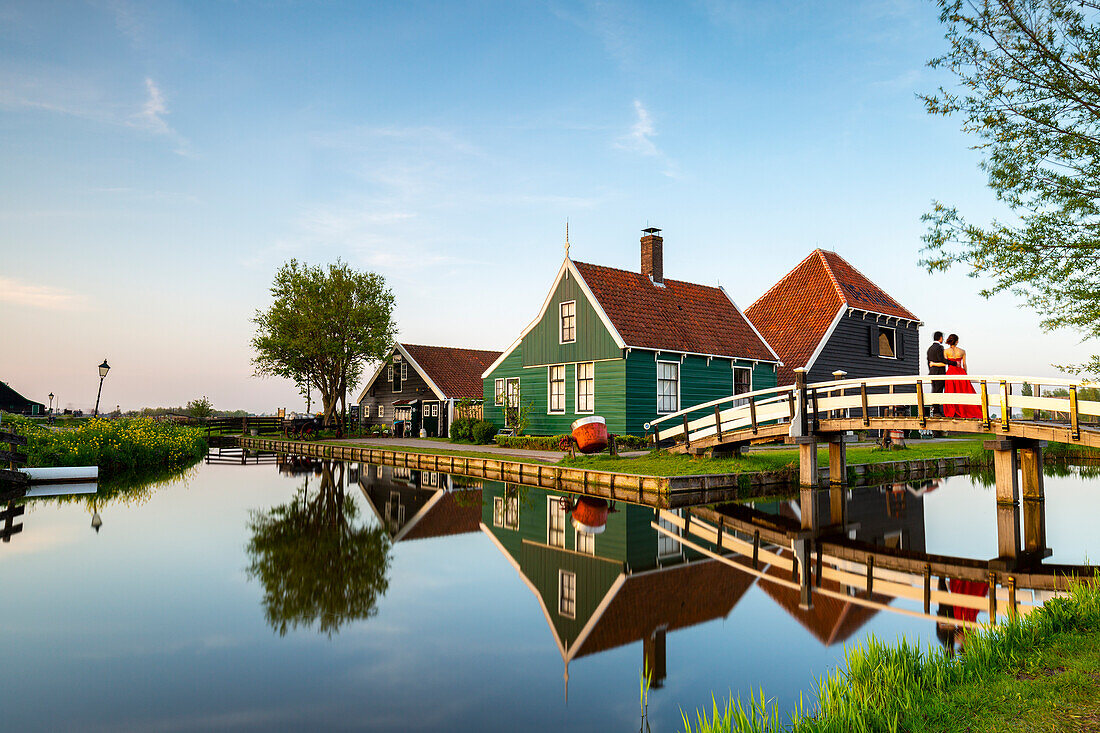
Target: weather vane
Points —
{"points": [[566, 239]]}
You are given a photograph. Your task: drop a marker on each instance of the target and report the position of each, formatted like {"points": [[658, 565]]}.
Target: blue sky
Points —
{"points": [[159, 161]]}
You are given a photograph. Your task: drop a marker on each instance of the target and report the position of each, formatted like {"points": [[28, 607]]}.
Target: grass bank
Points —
{"points": [[663, 463], [118, 446], [472, 453], [1038, 673]]}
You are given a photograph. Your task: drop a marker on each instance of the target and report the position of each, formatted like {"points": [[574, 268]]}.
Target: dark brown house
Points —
{"points": [[13, 402], [420, 386]]}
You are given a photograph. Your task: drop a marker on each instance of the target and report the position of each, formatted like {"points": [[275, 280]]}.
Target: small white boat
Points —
{"points": [[63, 474]]}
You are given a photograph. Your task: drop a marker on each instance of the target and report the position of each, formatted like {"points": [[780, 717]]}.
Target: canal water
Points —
{"points": [[303, 596]]}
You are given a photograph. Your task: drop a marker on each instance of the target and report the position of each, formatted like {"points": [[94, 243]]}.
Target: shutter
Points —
{"points": [[899, 341], [872, 340]]}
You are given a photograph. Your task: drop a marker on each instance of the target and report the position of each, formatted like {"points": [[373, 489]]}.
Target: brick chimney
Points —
{"points": [[653, 255]]}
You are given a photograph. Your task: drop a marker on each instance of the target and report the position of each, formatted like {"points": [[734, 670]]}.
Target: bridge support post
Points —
{"points": [[802, 562], [807, 502], [838, 505], [838, 457], [807, 460], [1034, 505]]}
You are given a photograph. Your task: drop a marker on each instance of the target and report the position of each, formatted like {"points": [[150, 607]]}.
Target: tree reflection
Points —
{"points": [[317, 564]]}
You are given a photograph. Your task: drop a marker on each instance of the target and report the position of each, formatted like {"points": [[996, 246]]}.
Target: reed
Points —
{"points": [[892, 687]]}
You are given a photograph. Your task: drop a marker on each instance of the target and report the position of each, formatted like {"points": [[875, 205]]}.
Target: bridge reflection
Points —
{"points": [[832, 559]]}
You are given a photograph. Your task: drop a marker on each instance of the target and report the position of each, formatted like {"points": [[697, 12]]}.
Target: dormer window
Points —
{"points": [[568, 330]]}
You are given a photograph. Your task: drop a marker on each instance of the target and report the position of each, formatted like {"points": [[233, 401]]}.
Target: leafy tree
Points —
{"points": [[318, 566], [1029, 89], [200, 408], [324, 323]]}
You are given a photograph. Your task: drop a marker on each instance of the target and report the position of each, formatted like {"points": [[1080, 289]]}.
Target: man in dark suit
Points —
{"points": [[937, 364]]}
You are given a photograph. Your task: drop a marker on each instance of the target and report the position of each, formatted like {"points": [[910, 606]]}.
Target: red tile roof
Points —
{"points": [[831, 620], [455, 513], [680, 316], [797, 311], [455, 371], [676, 597]]}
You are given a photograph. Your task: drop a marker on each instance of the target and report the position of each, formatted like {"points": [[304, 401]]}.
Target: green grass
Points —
{"points": [[473, 453], [663, 463], [1038, 673]]}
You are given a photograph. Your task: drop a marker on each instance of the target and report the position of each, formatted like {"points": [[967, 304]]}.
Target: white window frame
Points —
{"points": [[404, 372], [381, 411], [554, 508], [516, 394], [588, 539], [895, 342], [550, 381], [736, 369], [671, 547], [498, 392], [577, 388], [561, 322], [567, 602], [389, 373], [498, 511], [658, 386], [435, 409]]}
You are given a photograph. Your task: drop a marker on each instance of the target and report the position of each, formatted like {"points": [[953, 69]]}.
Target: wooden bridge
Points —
{"points": [[806, 414]]}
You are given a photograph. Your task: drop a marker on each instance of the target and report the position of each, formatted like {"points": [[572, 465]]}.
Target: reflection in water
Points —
{"points": [[317, 563]]}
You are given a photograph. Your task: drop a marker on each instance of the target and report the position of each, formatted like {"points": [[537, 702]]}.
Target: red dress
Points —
{"points": [[970, 588], [959, 386]]}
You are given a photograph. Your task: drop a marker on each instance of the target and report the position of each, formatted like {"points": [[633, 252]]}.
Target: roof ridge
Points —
{"points": [[783, 279], [864, 276], [407, 344], [832, 275], [642, 275]]}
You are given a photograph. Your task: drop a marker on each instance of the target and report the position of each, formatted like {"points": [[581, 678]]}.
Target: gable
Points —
{"points": [[542, 341]]}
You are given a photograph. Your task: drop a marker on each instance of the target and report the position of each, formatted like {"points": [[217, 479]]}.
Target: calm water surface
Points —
{"points": [[254, 598]]}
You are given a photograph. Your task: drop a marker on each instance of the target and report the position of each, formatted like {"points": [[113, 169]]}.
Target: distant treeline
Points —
{"points": [[161, 411]]}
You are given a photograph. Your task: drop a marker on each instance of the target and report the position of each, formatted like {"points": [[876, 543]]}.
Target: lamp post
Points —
{"points": [[103, 369], [49, 418]]}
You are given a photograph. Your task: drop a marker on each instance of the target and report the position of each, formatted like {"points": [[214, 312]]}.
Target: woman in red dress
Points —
{"points": [[956, 364]]}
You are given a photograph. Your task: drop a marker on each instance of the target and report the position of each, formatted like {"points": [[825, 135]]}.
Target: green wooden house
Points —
{"points": [[628, 346]]}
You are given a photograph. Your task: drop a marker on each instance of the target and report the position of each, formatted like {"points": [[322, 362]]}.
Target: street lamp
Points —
{"points": [[103, 369], [51, 403]]}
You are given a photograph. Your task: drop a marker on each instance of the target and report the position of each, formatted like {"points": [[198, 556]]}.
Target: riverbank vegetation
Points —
{"points": [[119, 446], [1041, 672]]}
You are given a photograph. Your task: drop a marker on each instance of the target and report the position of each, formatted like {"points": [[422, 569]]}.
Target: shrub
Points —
{"points": [[531, 442], [483, 432], [462, 430], [116, 446]]}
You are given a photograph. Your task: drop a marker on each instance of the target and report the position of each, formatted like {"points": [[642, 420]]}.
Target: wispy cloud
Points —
{"points": [[37, 296], [640, 139], [67, 94], [642, 132], [152, 113]]}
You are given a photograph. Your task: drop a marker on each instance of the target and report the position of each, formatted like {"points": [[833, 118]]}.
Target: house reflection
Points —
{"points": [[886, 516], [604, 590], [606, 585], [412, 504]]}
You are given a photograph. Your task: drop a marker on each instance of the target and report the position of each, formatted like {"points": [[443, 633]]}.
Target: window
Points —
{"points": [[586, 542], [366, 410], [506, 510], [429, 478], [567, 593], [389, 372], [568, 321], [667, 546], [435, 410], [586, 387], [381, 411], [511, 391], [397, 376], [404, 371], [498, 392], [668, 386], [886, 343], [555, 522], [742, 382], [557, 388]]}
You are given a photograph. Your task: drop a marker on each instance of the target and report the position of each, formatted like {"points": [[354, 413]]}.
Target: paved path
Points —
{"points": [[424, 444]]}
